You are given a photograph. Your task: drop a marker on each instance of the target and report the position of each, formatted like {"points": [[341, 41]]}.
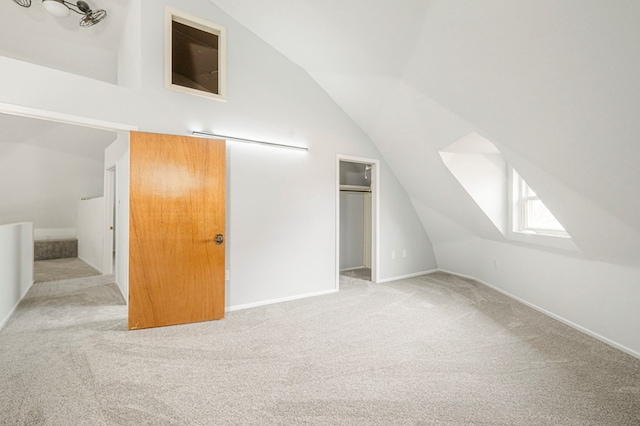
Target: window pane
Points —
{"points": [[195, 62], [538, 216]]}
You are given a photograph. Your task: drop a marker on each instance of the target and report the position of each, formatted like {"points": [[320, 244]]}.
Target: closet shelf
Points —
{"points": [[355, 188]]}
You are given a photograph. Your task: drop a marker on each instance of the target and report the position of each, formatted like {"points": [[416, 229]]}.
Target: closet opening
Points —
{"points": [[357, 201]]}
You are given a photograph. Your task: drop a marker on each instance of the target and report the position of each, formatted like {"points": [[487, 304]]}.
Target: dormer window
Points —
{"points": [[504, 197], [530, 215]]}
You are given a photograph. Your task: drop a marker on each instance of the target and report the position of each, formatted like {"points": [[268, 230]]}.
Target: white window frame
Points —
{"points": [[521, 203], [515, 229], [172, 15]]}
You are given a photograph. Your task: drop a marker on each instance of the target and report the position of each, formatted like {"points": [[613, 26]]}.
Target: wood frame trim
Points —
{"points": [[171, 15]]}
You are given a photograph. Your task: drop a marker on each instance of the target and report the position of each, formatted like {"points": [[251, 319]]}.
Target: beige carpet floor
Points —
{"points": [[429, 350], [61, 269], [361, 274]]}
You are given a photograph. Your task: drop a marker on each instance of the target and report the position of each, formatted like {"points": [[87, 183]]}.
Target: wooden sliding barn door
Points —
{"points": [[176, 228]]}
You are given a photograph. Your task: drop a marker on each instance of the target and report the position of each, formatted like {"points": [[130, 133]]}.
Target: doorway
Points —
{"points": [[42, 120], [357, 199]]}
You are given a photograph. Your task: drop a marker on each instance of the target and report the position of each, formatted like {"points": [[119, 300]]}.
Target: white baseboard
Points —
{"points": [[90, 264], [550, 314], [283, 299], [402, 277], [13, 310], [352, 269]]}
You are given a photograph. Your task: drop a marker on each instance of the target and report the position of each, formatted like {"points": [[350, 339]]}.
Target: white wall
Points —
{"points": [[598, 298], [352, 229], [96, 63], [130, 49], [16, 266], [484, 177], [90, 231], [54, 233]]}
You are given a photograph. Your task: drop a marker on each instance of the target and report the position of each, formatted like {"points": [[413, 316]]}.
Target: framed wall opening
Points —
{"points": [[357, 215], [195, 55], [119, 266], [109, 261]]}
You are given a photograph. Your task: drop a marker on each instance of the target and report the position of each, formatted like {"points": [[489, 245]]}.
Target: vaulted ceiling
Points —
{"points": [[33, 35], [554, 84], [46, 167], [36, 23]]}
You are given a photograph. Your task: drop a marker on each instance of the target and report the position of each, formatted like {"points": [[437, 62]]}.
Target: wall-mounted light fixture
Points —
{"points": [[62, 9], [253, 141]]}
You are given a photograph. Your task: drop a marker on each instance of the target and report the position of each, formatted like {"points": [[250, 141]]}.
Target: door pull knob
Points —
{"points": [[219, 239]]}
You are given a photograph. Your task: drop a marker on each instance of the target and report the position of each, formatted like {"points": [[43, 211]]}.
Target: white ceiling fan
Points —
{"points": [[62, 9]]}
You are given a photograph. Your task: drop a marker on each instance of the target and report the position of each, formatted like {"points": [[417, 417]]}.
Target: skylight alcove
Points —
{"points": [[480, 168], [502, 194]]}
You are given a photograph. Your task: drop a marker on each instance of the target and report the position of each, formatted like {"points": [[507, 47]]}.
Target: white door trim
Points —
{"points": [[58, 117], [109, 224]]}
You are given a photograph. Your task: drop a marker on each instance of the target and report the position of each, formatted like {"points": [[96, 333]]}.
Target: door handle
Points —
{"points": [[219, 239]]}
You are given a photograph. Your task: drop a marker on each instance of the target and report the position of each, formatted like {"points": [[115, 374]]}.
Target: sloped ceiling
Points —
{"points": [[35, 21], [554, 84], [82, 142], [46, 167]]}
